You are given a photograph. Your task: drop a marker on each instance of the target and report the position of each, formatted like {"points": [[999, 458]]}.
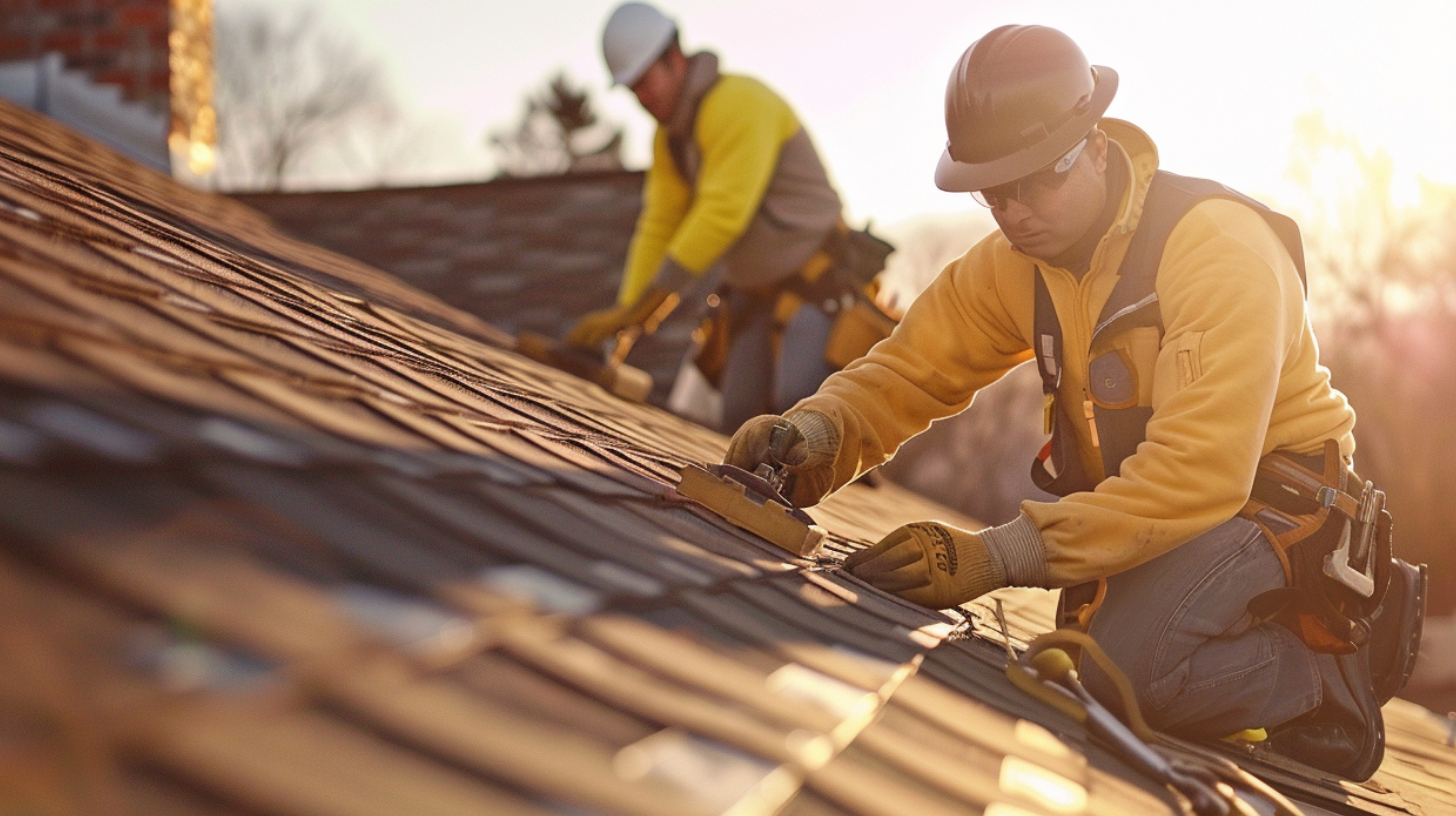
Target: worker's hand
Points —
{"points": [[931, 564], [603, 324], [595, 327], [803, 444]]}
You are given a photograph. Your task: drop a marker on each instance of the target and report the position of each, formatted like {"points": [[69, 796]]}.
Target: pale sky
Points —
{"points": [[1216, 85]]}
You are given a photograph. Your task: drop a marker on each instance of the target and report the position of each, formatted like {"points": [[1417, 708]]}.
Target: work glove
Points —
{"points": [[602, 324], [931, 564], [803, 445]]}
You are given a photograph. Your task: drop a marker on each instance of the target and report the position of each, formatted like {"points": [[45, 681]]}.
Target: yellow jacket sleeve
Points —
{"points": [[958, 336], [665, 200], [740, 129], [1236, 376]]}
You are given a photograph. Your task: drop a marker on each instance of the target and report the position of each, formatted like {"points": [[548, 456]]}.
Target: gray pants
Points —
{"points": [[1178, 626], [753, 381]]}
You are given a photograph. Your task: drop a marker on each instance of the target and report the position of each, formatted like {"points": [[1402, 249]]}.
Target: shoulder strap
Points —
{"points": [[683, 145], [1170, 198], [1134, 301], [1048, 332]]}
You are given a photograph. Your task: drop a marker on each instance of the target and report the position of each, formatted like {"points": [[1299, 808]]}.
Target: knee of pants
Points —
{"points": [[1161, 614]]}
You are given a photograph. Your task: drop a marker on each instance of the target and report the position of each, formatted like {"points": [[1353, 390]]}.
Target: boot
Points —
{"points": [[1346, 734]]}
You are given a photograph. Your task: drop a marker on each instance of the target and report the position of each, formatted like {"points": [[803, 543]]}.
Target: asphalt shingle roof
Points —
{"points": [[523, 254], [280, 534]]}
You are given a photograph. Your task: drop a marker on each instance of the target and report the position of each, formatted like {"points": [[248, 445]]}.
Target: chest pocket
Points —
{"points": [[1121, 371], [1113, 381], [1119, 388]]}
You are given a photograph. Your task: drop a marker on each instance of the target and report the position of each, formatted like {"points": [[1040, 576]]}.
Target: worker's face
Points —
{"points": [[1045, 213], [661, 84]]}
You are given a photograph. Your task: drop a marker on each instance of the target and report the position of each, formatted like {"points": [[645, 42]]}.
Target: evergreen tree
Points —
{"points": [[559, 132]]}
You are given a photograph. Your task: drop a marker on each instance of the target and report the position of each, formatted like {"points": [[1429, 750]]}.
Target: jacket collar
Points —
{"points": [[702, 74], [1140, 158]]}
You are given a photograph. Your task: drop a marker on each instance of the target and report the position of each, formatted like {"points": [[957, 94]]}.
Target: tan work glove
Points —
{"points": [[803, 443], [931, 564], [603, 324]]}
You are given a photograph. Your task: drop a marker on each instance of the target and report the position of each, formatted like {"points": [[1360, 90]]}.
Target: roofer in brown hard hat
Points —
{"points": [[1211, 534], [735, 179]]}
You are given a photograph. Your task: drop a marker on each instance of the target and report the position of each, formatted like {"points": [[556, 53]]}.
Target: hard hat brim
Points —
{"points": [[966, 177]]}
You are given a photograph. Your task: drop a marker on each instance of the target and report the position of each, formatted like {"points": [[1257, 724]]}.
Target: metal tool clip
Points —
{"points": [[1354, 565], [1372, 501], [775, 477]]}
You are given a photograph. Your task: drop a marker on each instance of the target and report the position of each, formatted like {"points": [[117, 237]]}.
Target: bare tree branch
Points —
{"points": [[288, 88], [1383, 287]]}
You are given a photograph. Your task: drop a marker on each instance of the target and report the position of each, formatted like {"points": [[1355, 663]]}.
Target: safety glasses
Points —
{"points": [[1028, 189]]}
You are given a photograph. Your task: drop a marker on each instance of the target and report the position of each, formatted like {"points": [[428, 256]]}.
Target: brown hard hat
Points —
{"points": [[1018, 98]]}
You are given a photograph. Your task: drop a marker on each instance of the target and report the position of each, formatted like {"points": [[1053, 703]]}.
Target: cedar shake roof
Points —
{"points": [[523, 254], [280, 534]]}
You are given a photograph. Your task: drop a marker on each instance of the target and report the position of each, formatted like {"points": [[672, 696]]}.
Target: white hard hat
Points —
{"points": [[636, 34]]}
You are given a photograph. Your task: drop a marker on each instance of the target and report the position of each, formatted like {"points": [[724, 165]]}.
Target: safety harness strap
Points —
{"points": [[1133, 302], [1334, 547]]}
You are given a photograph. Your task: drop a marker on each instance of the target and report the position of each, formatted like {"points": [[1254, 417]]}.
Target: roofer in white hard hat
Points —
{"points": [[1210, 533], [734, 180]]}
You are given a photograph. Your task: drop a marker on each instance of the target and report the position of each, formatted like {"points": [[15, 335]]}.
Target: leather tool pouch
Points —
{"points": [[855, 331], [859, 255], [848, 292], [840, 280], [726, 316], [1333, 537]]}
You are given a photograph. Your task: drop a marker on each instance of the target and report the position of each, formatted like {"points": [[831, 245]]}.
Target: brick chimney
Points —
{"points": [[116, 42]]}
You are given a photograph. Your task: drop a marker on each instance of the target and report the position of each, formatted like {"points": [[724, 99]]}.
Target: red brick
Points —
{"points": [[154, 16], [82, 19], [14, 47], [66, 42], [111, 39], [114, 76]]}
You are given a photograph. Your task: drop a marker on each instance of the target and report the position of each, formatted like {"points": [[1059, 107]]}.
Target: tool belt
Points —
{"points": [[840, 279], [1332, 534]]}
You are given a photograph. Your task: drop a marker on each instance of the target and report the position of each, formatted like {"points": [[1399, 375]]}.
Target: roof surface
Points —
{"points": [[524, 254], [282, 535]]}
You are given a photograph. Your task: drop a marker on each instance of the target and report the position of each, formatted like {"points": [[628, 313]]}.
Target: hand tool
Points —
{"points": [[1055, 669], [1353, 562], [753, 502], [632, 384]]}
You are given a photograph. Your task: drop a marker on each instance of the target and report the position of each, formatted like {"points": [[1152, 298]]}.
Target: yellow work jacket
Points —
{"points": [[754, 193], [1235, 374]]}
